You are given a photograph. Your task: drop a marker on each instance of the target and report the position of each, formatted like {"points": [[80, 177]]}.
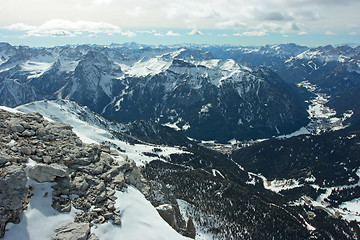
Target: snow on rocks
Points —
{"points": [[84, 177], [47, 173], [13, 195], [140, 220], [91, 128]]}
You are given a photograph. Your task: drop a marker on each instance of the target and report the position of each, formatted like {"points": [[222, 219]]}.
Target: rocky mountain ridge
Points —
{"points": [[176, 86], [84, 176]]}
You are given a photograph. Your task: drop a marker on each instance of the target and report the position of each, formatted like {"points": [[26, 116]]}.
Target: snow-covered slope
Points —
{"points": [[92, 128]]}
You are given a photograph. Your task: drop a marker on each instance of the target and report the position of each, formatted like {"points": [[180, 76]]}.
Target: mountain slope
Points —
{"points": [[229, 98], [204, 185], [165, 85]]}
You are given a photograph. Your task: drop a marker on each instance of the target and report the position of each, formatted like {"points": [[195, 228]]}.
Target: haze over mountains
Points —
{"points": [[291, 114]]}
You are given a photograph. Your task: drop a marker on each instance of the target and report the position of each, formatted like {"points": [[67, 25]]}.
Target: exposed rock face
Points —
{"points": [[167, 212], [167, 206], [190, 229], [13, 194], [85, 175]]}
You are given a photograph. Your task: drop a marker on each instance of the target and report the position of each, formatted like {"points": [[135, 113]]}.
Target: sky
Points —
{"points": [[235, 22]]}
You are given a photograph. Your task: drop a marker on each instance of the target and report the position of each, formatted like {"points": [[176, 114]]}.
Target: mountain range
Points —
{"points": [[235, 142]]}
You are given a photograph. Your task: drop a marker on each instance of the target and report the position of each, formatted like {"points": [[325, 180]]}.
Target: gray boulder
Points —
{"points": [[4, 158], [13, 195], [47, 173], [71, 231], [15, 125]]}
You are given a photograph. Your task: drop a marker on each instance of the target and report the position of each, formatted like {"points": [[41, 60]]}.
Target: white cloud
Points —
{"points": [[229, 24], [303, 33], [66, 28], [195, 32], [281, 16], [353, 33], [147, 31], [354, 26], [172, 34], [330, 33], [158, 34], [285, 35], [136, 11], [255, 34], [284, 28], [252, 34], [128, 34], [272, 15]]}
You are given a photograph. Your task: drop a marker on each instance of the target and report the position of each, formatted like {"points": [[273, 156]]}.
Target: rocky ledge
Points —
{"points": [[84, 176]]}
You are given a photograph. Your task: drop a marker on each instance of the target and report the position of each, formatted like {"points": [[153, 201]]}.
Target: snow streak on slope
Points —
{"points": [[91, 130]]}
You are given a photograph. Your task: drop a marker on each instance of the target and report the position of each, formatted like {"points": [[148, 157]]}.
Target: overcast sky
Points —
{"points": [[243, 22]]}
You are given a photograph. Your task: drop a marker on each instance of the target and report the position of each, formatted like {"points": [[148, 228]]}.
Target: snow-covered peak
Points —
{"points": [[279, 50], [145, 67], [216, 71], [329, 53]]}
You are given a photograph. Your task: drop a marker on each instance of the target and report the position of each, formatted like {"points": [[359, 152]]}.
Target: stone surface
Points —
{"points": [[85, 175], [167, 212], [190, 229], [71, 231], [47, 173], [13, 194]]}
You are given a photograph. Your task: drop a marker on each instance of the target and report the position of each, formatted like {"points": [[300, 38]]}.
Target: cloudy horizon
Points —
{"points": [[316, 22]]}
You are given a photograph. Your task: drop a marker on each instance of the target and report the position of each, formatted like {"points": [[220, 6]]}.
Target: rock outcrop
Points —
{"points": [[72, 231], [13, 194], [86, 176], [47, 173]]}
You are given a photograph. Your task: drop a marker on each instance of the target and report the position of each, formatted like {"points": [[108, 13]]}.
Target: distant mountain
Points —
{"points": [[334, 71], [183, 88]]}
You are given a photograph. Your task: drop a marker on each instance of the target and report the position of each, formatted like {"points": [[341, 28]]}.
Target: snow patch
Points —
{"points": [[39, 220], [139, 218], [217, 172], [275, 185], [35, 69]]}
